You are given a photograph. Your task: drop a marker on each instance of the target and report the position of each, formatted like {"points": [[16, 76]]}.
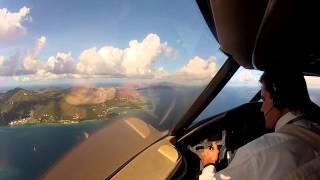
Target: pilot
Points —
{"points": [[280, 154]]}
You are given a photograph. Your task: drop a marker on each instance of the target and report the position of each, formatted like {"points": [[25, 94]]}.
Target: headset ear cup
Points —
{"points": [[276, 97], [279, 104], [276, 103]]}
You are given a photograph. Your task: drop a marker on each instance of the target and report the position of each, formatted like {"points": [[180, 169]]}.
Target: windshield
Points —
{"points": [[70, 68], [313, 84], [243, 86]]}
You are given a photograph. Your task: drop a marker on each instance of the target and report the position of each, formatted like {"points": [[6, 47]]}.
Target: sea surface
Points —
{"points": [[28, 151]]}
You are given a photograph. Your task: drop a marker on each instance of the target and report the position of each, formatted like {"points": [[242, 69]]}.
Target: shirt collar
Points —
{"points": [[284, 120]]}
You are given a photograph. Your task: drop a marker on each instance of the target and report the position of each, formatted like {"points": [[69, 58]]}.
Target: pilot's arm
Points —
{"points": [[208, 173], [241, 167], [209, 158]]}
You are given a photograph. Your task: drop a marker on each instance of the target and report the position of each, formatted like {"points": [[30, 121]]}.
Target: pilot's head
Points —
{"points": [[281, 92]]}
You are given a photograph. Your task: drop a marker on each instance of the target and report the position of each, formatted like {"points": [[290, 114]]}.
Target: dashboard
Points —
{"points": [[229, 130]]}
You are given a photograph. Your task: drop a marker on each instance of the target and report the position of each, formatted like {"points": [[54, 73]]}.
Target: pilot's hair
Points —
{"points": [[287, 88]]}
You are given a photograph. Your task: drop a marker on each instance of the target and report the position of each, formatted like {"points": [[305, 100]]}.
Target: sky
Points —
{"points": [[51, 41]]}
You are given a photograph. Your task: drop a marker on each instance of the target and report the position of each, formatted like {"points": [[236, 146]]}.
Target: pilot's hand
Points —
{"points": [[210, 156]]}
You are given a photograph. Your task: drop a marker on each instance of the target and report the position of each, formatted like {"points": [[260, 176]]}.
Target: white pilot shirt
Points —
{"points": [[271, 156]]}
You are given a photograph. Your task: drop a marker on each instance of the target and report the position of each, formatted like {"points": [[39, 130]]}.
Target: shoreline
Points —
{"points": [[123, 111]]}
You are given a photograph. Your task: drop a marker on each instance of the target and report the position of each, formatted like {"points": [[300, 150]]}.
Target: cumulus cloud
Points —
{"points": [[168, 51], [198, 69], [30, 63], [40, 44], [112, 55], [104, 61], [140, 56], [246, 76], [11, 23], [39, 76], [61, 63], [2, 64], [135, 61], [8, 66], [313, 82], [160, 73], [89, 95]]}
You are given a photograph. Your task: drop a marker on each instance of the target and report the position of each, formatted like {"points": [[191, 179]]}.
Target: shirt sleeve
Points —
{"points": [[208, 173], [241, 167]]}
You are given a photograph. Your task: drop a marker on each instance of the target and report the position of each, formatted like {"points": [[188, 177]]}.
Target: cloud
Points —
{"points": [[89, 95], [40, 44], [246, 76], [43, 75], [168, 51], [105, 61], [197, 69], [39, 76], [2, 64], [30, 63], [139, 57], [61, 63], [313, 82], [160, 73], [11, 23], [135, 61], [8, 66]]}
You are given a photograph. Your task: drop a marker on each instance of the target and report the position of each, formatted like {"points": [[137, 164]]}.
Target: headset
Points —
{"points": [[277, 97], [288, 90]]}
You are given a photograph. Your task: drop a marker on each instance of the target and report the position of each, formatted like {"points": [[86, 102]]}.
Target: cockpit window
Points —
{"points": [[70, 68], [313, 84], [240, 89]]}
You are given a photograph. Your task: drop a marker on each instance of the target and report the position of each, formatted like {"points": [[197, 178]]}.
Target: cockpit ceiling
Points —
{"points": [[237, 23], [264, 34]]}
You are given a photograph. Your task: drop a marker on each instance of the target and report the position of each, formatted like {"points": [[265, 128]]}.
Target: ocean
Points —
{"points": [[28, 151]]}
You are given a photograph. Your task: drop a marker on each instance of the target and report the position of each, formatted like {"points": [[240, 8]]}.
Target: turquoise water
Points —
{"points": [[26, 152]]}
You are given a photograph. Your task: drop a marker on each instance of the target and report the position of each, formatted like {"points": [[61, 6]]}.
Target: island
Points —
{"points": [[66, 106]]}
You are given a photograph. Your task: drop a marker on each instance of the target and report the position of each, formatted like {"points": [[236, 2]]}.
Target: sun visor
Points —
{"points": [[237, 23], [289, 36]]}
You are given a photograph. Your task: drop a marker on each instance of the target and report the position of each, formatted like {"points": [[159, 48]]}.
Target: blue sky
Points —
{"points": [[73, 26], [76, 25], [57, 38]]}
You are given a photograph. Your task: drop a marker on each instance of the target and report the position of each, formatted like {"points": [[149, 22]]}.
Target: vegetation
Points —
{"points": [[52, 105]]}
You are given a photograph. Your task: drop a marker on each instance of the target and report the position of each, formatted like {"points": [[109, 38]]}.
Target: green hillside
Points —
{"points": [[21, 106]]}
